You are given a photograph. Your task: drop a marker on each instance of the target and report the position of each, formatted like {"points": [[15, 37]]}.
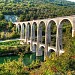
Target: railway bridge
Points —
{"points": [[31, 32]]}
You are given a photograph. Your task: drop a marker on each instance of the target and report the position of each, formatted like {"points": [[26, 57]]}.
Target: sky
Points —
{"points": [[71, 0]]}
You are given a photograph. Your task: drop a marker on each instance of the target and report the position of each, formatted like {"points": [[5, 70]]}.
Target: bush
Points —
{"points": [[13, 68]]}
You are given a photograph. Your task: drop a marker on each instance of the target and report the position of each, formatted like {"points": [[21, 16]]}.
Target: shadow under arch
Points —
{"points": [[51, 33], [34, 31], [42, 28], [28, 31], [51, 52], [65, 33], [19, 28]]}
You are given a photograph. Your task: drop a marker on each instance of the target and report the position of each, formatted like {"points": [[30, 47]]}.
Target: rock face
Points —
{"points": [[12, 18]]}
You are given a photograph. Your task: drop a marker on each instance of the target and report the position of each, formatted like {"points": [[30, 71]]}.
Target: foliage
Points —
{"points": [[1, 16], [34, 64], [13, 68], [13, 47], [33, 9]]}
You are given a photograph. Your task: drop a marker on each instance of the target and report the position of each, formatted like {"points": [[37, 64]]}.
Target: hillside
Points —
{"points": [[58, 2], [36, 9]]}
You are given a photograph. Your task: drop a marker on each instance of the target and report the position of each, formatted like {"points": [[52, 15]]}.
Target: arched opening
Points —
{"points": [[34, 32], [51, 29], [65, 32], [42, 32], [28, 31], [24, 30], [19, 28], [51, 53]]}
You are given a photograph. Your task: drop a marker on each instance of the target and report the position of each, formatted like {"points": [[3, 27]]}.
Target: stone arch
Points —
{"points": [[50, 51], [61, 21], [34, 31], [50, 33], [28, 31], [42, 28], [63, 30]]}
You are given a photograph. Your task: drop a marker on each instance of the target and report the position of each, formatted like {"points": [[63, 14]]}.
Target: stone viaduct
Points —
{"points": [[28, 33]]}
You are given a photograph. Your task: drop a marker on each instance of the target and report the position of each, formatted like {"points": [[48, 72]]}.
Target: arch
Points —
{"points": [[52, 21], [51, 33], [50, 52], [42, 28], [28, 31], [61, 21], [65, 29], [34, 31]]}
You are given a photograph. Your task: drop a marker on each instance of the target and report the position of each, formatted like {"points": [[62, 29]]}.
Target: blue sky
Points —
{"points": [[71, 0]]}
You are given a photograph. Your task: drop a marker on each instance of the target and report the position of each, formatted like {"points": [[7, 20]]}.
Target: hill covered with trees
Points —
{"points": [[36, 9], [60, 2]]}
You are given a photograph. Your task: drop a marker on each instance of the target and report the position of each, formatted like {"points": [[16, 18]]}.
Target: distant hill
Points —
{"points": [[58, 2], [37, 9]]}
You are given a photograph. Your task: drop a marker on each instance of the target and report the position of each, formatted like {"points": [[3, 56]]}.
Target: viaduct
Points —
{"points": [[31, 33]]}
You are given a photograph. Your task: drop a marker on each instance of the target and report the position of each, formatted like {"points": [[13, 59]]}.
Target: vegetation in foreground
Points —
{"points": [[63, 65], [13, 68]]}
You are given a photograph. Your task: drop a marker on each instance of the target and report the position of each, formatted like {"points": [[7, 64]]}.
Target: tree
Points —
{"points": [[1, 16]]}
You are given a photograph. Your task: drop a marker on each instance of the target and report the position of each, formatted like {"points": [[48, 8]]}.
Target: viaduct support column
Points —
{"points": [[57, 42], [60, 38], [32, 38], [31, 47], [46, 44], [22, 32], [33, 32], [26, 34], [73, 32], [73, 28], [17, 28], [49, 34], [38, 51]]}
